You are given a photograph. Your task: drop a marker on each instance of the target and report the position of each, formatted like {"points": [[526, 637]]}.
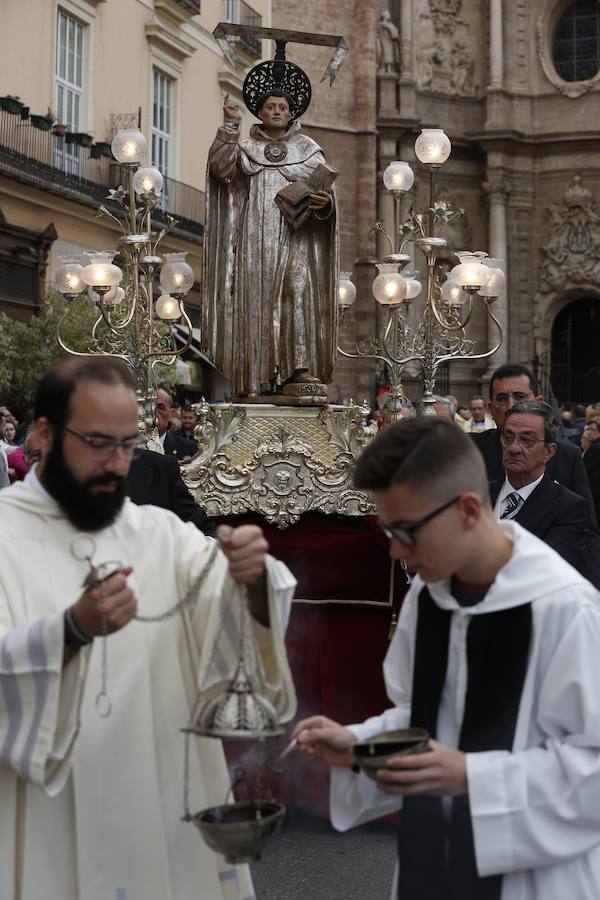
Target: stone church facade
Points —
{"points": [[516, 87]]}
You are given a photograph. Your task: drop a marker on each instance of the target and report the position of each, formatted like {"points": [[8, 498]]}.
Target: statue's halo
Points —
{"points": [[279, 77]]}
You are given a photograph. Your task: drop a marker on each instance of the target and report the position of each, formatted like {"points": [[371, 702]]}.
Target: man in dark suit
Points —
{"points": [[552, 512], [173, 444], [155, 479], [189, 420], [511, 384]]}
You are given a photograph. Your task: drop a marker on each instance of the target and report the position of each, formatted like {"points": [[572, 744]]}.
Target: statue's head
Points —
{"points": [[277, 78], [275, 109]]}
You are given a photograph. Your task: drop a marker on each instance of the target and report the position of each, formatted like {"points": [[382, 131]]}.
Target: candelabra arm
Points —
{"points": [[188, 341], [116, 327], [72, 352], [447, 324], [467, 318], [469, 356], [361, 355]]}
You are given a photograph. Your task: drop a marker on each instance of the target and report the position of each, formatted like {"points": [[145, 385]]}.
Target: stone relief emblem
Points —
{"points": [[571, 254], [448, 71], [445, 15]]}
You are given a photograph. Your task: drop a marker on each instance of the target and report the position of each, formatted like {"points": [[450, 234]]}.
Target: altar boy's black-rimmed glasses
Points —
{"points": [[405, 531]]}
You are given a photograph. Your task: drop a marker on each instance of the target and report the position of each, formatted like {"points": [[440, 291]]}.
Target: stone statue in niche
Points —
{"points": [[570, 255], [388, 44]]}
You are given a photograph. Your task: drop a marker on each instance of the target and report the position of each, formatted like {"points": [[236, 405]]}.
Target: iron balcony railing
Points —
{"points": [[239, 13], [44, 160]]}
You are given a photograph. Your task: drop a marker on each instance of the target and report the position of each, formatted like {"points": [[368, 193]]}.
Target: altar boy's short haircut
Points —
{"points": [[428, 454]]}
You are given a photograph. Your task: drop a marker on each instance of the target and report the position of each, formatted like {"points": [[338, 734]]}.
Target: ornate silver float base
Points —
{"points": [[279, 462]]}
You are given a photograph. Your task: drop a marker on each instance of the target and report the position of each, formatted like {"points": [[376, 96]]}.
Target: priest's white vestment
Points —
{"points": [[535, 811], [90, 808]]}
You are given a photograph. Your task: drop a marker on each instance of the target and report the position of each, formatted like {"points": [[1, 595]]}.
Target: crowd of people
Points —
{"points": [[495, 653]]}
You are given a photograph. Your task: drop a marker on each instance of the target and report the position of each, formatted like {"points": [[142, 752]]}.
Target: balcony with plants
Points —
{"points": [[38, 150]]}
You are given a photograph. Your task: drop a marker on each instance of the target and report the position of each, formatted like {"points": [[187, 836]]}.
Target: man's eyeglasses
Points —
{"points": [[527, 441], [102, 446], [405, 531], [517, 396]]}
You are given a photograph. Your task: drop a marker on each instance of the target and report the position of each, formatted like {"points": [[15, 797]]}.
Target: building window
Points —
{"points": [[240, 13], [162, 121], [68, 88], [576, 45]]}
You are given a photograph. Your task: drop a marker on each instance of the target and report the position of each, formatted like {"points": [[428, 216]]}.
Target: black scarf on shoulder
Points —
{"points": [[437, 856]]}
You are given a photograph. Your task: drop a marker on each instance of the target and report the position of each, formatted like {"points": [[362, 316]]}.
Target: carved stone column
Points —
{"points": [[496, 45], [498, 248], [408, 102]]}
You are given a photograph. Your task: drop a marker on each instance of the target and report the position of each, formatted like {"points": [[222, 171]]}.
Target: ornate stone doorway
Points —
{"points": [[575, 351]]}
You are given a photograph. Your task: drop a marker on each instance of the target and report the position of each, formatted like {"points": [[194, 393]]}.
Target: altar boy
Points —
{"points": [[497, 655]]}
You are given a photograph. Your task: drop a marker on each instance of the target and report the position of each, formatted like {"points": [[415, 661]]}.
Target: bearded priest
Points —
{"points": [[93, 698]]}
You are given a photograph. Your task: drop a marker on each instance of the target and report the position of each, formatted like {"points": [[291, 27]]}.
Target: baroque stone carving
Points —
{"points": [[279, 462], [448, 71], [445, 15], [570, 254]]}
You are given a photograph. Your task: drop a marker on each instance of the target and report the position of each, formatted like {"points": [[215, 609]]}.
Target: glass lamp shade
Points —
{"points": [[398, 176], [100, 272], [470, 273], [413, 288], [497, 279], [453, 294], [168, 308], [68, 276], [433, 146], [147, 179], [346, 290], [129, 146], [111, 298], [176, 276], [389, 287]]}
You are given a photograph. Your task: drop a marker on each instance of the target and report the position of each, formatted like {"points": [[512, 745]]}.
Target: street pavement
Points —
{"points": [[309, 860]]}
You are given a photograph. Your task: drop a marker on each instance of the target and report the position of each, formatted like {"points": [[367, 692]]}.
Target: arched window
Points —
{"points": [[576, 45]]}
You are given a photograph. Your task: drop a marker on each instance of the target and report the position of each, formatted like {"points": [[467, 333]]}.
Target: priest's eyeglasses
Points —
{"points": [[405, 531], [105, 446], [526, 441]]}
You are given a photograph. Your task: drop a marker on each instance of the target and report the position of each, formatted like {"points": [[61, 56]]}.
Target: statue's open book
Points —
{"points": [[294, 199]]}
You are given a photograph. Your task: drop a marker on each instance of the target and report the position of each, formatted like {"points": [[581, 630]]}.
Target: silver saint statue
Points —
{"points": [[270, 287]]}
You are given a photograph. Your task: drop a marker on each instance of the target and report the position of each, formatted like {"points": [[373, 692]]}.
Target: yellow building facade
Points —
{"points": [[94, 66]]}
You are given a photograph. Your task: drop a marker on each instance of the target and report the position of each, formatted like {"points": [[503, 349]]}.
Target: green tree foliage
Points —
{"points": [[27, 350]]}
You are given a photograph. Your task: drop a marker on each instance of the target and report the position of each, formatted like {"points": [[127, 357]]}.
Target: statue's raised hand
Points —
{"points": [[231, 111]]}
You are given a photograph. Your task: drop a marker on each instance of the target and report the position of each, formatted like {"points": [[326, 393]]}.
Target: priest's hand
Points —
{"points": [[441, 772], [320, 200], [112, 597], [325, 740], [245, 548]]}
